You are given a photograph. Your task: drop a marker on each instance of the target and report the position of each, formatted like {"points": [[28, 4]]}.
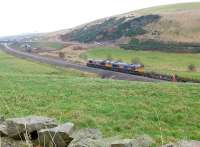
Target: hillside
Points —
{"points": [[149, 29], [166, 111]]}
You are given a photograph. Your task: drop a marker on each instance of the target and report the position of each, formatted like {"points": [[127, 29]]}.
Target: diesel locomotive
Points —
{"points": [[117, 66]]}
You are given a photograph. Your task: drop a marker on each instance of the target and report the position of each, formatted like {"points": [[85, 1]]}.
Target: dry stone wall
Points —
{"points": [[38, 131]]}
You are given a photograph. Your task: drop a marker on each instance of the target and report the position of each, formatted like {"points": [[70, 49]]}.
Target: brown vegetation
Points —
{"points": [[61, 55], [191, 67]]}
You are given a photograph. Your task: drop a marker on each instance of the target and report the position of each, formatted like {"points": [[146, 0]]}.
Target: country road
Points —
{"points": [[62, 63]]}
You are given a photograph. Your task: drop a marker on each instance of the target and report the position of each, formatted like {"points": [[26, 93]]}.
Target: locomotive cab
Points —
{"points": [[108, 64], [139, 68]]}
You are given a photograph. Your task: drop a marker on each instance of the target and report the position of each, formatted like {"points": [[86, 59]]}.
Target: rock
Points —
{"points": [[144, 141], [122, 143], [18, 127], [141, 141], [87, 133], [86, 142], [3, 130], [2, 119], [58, 136], [86, 138], [8, 142], [106, 142], [184, 143], [169, 145]]}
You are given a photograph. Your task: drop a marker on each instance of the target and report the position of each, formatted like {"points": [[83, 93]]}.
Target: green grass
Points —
{"points": [[165, 111], [171, 8], [51, 45], [161, 62]]}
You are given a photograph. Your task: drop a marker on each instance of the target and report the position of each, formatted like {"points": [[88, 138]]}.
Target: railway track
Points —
{"points": [[103, 73]]}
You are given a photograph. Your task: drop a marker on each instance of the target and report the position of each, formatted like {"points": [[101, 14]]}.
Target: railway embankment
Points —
{"points": [[101, 72]]}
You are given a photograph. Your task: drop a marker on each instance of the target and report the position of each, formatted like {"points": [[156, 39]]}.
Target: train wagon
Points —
{"points": [[117, 66]]}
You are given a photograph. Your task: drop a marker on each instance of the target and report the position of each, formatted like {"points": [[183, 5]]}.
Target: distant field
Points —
{"points": [[165, 111], [171, 8], [166, 63], [42, 45]]}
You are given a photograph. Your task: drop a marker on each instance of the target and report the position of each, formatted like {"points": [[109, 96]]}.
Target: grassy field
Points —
{"points": [[165, 111], [51, 45], [46, 45], [166, 63], [171, 8]]}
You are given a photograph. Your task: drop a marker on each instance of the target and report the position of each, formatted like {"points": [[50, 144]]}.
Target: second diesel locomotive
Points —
{"points": [[117, 66]]}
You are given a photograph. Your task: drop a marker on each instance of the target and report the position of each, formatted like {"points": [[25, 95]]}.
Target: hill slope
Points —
{"points": [[152, 28]]}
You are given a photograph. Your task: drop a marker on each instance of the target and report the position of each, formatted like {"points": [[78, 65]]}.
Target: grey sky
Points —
{"points": [[24, 16]]}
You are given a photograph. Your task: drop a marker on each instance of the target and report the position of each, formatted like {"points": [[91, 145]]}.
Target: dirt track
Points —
{"points": [[61, 63]]}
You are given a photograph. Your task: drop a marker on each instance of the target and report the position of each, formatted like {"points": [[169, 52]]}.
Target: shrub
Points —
{"points": [[153, 45], [120, 60], [109, 57], [111, 29], [84, 56], [136, 61], [191, 67], [28, 50], [61, 55]]}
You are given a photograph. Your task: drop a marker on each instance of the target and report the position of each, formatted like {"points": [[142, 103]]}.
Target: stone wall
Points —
{"points": [[37, 131]]}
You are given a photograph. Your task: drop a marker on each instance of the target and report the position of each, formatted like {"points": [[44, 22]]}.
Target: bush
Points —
{"points": [[153, 45], [109, 57], [28, 50], [191, 67], [120, 60], [112, 29], [84, 56], [61, 55], [136, 61]]}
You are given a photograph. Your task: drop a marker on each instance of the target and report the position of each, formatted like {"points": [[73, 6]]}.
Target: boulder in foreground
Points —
{"points": [[1, 119], [86, 138], [141, 141], [9, 142], [18, 128], [144, 141], [122, 143], [58, 136], [3, 130], [184, 143], [87, 133]]}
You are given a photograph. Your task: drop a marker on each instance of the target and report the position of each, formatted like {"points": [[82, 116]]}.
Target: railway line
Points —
{"points": [[61, 63]]}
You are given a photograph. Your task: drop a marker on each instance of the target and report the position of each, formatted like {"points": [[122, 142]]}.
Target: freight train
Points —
{"points": [[117, 66]]}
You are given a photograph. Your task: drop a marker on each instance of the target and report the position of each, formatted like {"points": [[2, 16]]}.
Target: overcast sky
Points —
{"points": [[26, 16]]}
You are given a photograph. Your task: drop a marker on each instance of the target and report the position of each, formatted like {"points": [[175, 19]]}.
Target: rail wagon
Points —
{"points": [[117, 66]]}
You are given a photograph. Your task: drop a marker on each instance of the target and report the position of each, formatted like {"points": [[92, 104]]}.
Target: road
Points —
{"points": [[103, 73]]}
